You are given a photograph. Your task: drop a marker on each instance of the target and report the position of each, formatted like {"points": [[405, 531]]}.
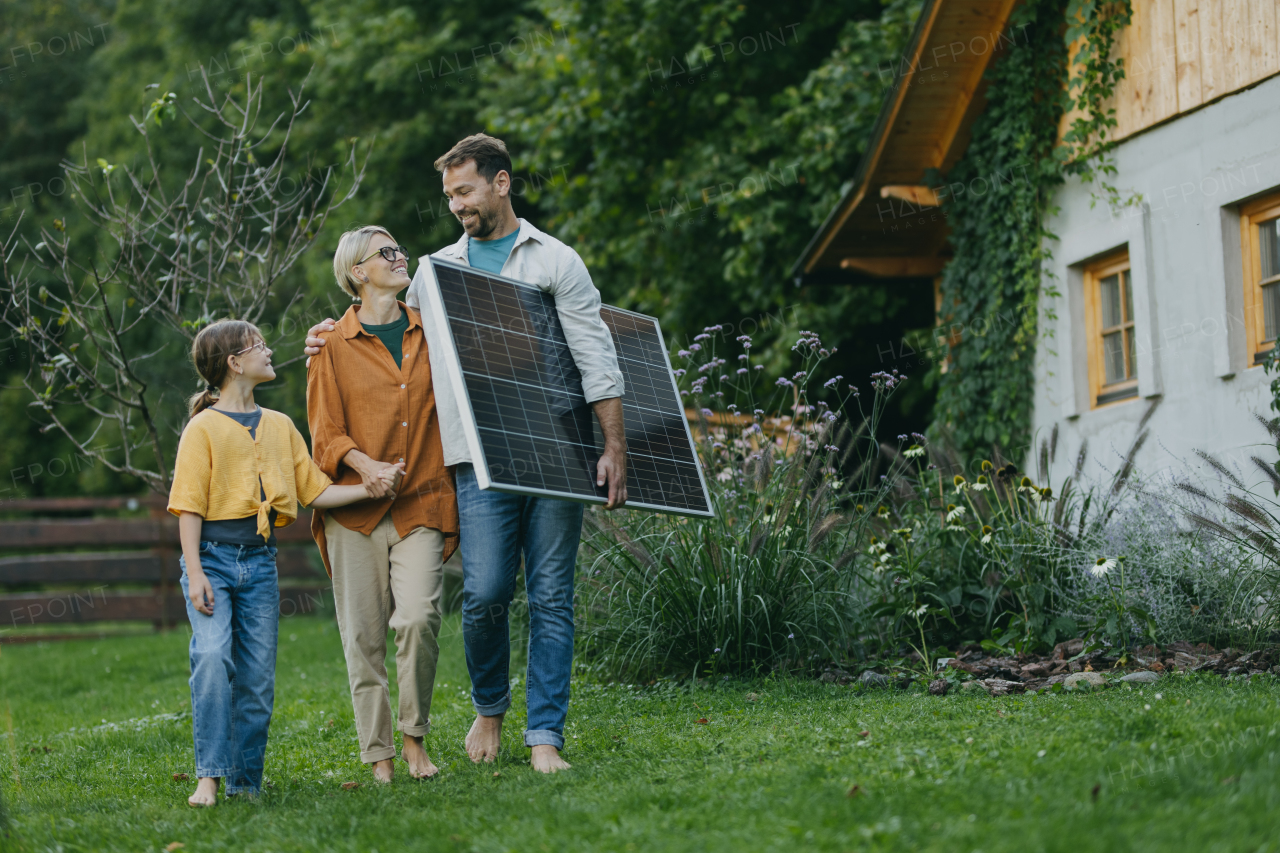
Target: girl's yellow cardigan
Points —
{"points": [[219, 465]]}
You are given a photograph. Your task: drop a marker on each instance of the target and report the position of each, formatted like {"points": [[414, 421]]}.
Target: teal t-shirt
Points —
{"points": [[391, 335], [490, 255]]}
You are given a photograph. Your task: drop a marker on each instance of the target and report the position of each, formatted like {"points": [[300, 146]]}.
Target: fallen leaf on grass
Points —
{"points": [[854, 791], [350, 786], [497, 773], [174, 845], [702, 721], [180, 777], [864, 734]]}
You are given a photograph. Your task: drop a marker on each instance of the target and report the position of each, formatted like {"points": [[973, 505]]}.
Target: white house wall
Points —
{"points": [[1186, 269]]}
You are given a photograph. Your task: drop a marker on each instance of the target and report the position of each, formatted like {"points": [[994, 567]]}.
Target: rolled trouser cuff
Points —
{"points": [[544, 737], [499, 707], [382, 753], [416, 731]]}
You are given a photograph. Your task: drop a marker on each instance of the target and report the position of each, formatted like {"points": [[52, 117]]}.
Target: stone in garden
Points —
{"points": [[1068, 649], [1144, 676], [874, 679], [1000, 687], [939, 687], [1084, 681], [970, 686]]}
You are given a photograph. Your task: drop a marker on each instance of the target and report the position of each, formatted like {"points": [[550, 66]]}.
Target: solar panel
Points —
{"points": [[530, 428]]}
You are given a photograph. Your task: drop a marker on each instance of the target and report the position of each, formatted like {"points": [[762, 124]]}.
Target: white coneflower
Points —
{"points": [[913, 452], [1025, 485], [986, 534], [981, 485], [1102, 567], [954, 512], [920, 611], [960, 483]]}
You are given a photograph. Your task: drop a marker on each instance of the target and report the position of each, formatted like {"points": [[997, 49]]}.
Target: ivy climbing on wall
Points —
{"points": [[991, 290]]}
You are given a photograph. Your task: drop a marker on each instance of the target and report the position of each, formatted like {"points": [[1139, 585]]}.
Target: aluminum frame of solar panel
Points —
{"points": [[453, 364]]}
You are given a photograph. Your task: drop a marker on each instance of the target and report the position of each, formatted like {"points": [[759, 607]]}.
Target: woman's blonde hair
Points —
{"points": [[209, 353], [352, 247]]}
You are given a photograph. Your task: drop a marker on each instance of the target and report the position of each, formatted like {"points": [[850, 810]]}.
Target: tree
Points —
{"points": [[167, 258]]}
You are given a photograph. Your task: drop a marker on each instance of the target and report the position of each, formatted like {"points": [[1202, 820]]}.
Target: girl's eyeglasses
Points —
{"points": [[389, 253], [260, 345]]}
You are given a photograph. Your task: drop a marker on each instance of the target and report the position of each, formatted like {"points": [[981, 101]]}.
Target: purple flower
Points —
{"points": [[723, 377], [759, 411], [744, 339], [680, 371], [783, 382], [684, 353], [741, 370], [791, 636], [706, 413], [695, 347], [717, 651], [759, 367], [799, 377], [715, 328], [702, 337]]}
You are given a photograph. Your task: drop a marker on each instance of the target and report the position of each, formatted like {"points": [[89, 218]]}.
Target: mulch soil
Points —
{"points": [[1029, 673]]}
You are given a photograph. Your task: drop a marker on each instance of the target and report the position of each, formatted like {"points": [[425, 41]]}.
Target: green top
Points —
{"points": [[391, 335], [491, 255]]}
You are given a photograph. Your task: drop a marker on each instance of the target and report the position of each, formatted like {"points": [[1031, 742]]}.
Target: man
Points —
{"points": [[496, 528]]}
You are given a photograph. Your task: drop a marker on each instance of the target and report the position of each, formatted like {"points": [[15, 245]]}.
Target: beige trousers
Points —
{"points": [[368, 571]]}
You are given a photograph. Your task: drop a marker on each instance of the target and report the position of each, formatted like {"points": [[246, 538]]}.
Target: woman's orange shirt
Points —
{"points": [[357, 398]]}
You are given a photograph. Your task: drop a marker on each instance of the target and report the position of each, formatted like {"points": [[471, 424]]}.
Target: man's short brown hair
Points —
{"points": [[489, 153]]}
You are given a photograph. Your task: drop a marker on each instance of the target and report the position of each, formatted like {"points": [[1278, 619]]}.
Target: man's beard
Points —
{"points": [[484, 225]]}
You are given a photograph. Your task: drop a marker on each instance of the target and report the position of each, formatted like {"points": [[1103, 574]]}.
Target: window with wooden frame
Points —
{"points": [[1108, 303], [1260, 239]]}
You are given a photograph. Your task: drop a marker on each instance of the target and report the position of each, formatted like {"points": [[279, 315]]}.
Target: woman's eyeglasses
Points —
{"points": [[389, 253]]}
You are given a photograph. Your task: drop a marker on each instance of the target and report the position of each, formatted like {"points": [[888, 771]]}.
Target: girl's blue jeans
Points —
{"points": [[233, 663]]}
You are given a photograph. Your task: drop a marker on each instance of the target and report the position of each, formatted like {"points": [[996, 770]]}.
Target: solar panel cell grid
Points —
{"points": [[535, 427]]}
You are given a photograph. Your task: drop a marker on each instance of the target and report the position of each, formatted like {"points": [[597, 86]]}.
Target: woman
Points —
{"points": [[370, 404]]}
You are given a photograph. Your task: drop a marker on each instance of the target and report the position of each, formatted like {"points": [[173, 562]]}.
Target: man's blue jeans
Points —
{"points": [[233, 663], [496, 529]]}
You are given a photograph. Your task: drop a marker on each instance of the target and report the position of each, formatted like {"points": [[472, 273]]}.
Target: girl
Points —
{"points": [[241, 471]]}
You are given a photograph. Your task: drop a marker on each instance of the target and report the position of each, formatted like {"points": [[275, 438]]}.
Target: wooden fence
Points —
{"points": [[102, 569]]}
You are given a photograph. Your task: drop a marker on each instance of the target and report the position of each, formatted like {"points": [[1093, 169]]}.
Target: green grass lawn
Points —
{"points": [[772, 768]]}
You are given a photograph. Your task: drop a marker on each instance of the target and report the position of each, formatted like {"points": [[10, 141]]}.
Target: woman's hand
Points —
{"points": [[199, 590], [390, 478], [369, 471]]}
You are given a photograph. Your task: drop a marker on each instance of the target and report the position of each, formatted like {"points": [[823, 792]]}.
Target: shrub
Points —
{"points": [[770, 578]]}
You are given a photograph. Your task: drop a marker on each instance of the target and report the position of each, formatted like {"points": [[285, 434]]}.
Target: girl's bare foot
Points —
{"points": [[383, 770], [546, 759], [420, 766], [206, 792], [484, 738]]}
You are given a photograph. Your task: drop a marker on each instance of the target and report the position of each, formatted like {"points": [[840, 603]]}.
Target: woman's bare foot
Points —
{"points": [[420, 766], [546, 759], [484, 738], [206, 792], [383, 770]]}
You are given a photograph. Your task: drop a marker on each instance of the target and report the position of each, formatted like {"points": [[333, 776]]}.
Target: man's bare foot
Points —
{"points": [[383, 770], [484, 738], [546, 759], [206, 792], [420, 766]]}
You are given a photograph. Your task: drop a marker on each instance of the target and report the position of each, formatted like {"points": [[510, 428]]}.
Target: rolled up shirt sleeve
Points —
{"points": [[578, 304]]}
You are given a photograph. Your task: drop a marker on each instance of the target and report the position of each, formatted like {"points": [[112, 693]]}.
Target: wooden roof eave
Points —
{"points": [[879, 136]]}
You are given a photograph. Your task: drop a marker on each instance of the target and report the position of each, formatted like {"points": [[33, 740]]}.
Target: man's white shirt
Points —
{"points": [[539, 259]]}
